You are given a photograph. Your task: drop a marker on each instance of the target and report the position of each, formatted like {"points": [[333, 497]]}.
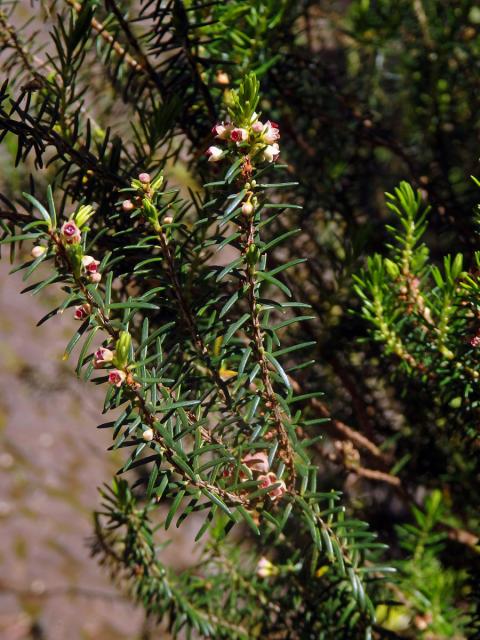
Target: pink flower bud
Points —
{"points": [[102, 356], [82, 311], [247, 208], [238, 135], [70, 232], [269, 479], [271, 152], [148, 435], [95, 277], [117, 377], [257, 461], [271, 132], [127, 205], [90, 264], [144, 178], [214, 154], [38, 251], [475, 341], [257, 127], [221, 131]]}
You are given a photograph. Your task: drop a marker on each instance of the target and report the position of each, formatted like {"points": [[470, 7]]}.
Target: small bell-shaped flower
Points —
{"points": [[221, 131], [214, 154], [102, 356], [70, 232], [271, 132], [271, 152], [82, 311], [117, 377], [90, 264], [238, 135]]}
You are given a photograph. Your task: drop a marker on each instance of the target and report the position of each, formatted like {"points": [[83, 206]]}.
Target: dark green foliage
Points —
{"points": [[225, 331]]}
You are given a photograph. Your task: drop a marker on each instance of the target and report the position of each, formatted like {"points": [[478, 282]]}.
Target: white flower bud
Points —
{"points": [[247, 208], [38, 251], [148, 435], [214, 154]]}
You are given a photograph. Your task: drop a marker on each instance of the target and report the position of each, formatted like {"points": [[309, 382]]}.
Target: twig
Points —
{"points": [[271, 401], [107, 36], [56, 592], [348, 432]]}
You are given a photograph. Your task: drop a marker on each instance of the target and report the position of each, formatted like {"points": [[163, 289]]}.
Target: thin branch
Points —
{"points": [[107, 36]]}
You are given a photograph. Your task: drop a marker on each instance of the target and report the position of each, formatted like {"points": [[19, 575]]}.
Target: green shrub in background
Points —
{"points": [[212, 333]]}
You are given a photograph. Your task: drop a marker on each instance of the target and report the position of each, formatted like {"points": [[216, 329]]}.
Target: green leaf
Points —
{"points": [[43, 212], [174, 507], [264, 276], [279, 369], [51, 207], [234, 327]]}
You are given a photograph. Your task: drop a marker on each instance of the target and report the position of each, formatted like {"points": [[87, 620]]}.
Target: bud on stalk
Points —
{"points": [[122, 349]]}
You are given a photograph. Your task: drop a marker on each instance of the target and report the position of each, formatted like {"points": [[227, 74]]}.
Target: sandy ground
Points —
{"points": [[52, 459]]}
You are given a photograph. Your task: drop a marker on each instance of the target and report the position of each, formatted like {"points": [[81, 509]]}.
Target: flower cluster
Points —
{"points": [[91, 268], [475, 341], [67, 244], [118, 357], [258, 138], [144, 188], [70, 234]]}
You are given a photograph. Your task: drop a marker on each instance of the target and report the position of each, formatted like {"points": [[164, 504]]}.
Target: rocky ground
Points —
{"points": [[52, 459]]}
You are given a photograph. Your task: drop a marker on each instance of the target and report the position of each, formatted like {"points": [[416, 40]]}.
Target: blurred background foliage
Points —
{"points": [[367, 94]]}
